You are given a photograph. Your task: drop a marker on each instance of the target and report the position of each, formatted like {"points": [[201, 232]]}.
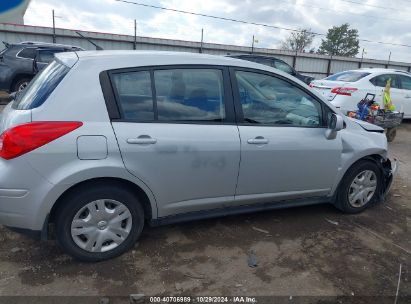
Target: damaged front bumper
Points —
{"points": [[389, 170]]}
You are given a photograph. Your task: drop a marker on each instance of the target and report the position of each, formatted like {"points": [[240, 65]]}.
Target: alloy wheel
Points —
{"points": [[22, 86]]}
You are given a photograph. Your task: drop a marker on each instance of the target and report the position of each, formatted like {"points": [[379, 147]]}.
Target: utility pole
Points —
{"points": [[252, 46], [389, 59], [54, 28], [135, 35], [202, 37], [362, 57]]}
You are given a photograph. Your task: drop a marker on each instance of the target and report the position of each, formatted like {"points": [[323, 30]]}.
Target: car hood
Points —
{"points": [[367, 126]]}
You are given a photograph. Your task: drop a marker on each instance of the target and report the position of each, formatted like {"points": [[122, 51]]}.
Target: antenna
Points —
{"points": [[98, 48]]}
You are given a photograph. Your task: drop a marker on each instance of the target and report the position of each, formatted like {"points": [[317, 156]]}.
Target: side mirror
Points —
{"points": [[335, 124]]}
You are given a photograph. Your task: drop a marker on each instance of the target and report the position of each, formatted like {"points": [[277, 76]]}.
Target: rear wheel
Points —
{"points": [[99, 223], [20, 84], [359, 187]]}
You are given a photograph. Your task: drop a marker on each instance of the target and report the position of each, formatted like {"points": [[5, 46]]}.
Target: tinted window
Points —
{"points": [[134, 95], [272, 101], [42, 85], [29, 53], [405, 82], [381, 80], [46, 56], [349, 76], [265, 61], [190, 95], [282, 66]]}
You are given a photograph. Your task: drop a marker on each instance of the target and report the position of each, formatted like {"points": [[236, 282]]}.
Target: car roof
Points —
{"points": [[130, 58], [377, 70], [45, 45], [253, 56]]}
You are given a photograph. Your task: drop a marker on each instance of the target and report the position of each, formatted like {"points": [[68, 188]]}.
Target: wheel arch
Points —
{"points": [[135, 189], [376, 158]]}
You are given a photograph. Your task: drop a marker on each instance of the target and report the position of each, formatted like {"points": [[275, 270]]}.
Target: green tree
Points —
{"points": [[340, 41], [298, 41]]}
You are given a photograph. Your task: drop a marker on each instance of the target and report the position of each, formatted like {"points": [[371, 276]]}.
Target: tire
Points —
{"points": [[346, 198], [20, 84], [95, 210]]}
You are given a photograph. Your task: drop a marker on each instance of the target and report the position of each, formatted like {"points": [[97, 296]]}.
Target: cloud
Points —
{"points": [[116, 17]]}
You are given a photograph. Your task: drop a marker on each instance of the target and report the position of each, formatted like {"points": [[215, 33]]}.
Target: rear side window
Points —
{"points": [[134, 95], [46, 56], [282, 66], [381, 81], [40, 88], [28, 53], [265, 61], [349, 76], [190, 95], [405, 82]]}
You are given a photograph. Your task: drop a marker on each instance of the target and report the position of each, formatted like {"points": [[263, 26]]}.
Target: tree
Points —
{"points": [[298, 41], [340, 41]]}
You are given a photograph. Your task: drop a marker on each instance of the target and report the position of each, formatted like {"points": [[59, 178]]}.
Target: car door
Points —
{"points": [[405, 83], [177, 134], [284, 151], [397, 95]]}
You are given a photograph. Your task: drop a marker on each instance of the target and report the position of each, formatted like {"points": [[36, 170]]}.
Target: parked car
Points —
{"points": [[345, 89], [276, 63], [20, 62], [100, 144]]}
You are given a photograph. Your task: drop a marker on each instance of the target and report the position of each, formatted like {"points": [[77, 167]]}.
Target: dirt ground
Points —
{"points": [[309, 251]]}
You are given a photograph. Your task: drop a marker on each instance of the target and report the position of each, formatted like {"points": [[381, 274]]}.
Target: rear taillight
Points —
{"points": [[26, 137], [343, 91], [311, 85]]}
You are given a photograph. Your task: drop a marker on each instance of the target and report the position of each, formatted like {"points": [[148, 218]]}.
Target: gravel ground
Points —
{"points": [[309, 251]]}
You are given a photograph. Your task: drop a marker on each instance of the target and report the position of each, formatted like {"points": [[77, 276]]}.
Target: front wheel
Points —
{"points": [[99, 223], [359, 187]]}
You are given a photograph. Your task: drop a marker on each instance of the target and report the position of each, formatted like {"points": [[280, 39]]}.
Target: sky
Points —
{"points": [[377, 20]]}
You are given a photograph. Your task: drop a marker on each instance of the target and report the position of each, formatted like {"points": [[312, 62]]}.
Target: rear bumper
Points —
{"points": [[23, 194]]}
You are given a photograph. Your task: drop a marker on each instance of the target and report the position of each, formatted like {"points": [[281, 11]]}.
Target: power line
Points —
{"points": [[246, 22], [345, 13], [375, 6], [215, 17]]}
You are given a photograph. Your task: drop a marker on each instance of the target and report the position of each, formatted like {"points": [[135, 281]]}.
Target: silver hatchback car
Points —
{"points": [[101, 143]]}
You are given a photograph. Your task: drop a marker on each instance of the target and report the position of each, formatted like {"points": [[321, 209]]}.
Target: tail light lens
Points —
{"points": [[343, 91], [27, 137]]}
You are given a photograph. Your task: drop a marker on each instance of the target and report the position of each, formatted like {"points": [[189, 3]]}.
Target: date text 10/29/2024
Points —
{"points": [[203, 299]]}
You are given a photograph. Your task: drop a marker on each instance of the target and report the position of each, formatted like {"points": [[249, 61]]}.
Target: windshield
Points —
{"points": [[42, 85], [349, 76]]}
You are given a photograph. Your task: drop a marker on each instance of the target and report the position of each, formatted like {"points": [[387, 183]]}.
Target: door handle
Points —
{"points": [[407, 96], [259, 140], [142, 140]]}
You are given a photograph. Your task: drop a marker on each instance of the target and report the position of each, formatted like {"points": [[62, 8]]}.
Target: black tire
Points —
{"points": [[343, 202], [79, 198], [17, 84]]}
